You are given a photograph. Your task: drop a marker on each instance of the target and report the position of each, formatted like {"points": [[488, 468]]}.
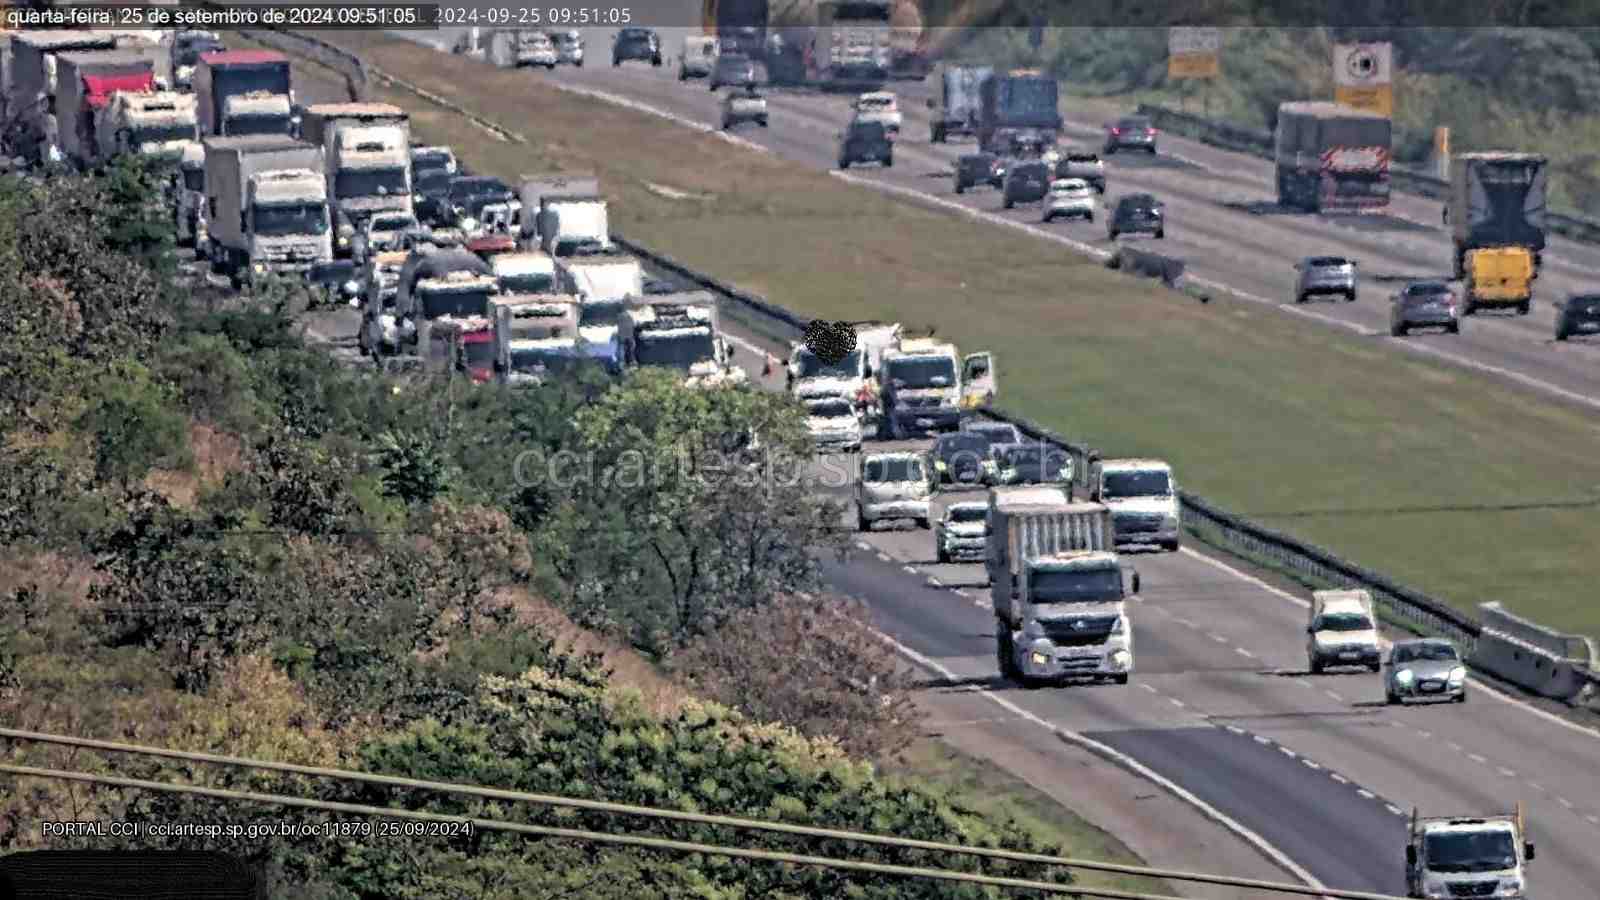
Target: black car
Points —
{"points": [[636, 43], [1132, 133], [732, 70], [334, 282], [958, 457], [1580, 314], [471, 193], [1033, 463], [1026, 181], [865, 142], [1137, 214], [973, 169], [432, 195]]}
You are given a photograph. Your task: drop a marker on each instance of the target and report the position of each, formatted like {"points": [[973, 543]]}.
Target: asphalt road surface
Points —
{"points": [[1220, 702]]}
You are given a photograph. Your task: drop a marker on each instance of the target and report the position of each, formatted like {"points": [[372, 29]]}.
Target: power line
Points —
{"points": [[680, 815], [592, 836]]}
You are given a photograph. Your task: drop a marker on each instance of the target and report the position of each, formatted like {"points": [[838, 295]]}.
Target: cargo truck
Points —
{"points": [[454, 297], [926, 385], [190, 200], [461, 345], [31, 99], [85, 81], [1018, 113], [570, 223], [1497, 199], [162, 125], [242, 92], [1331, 157], [852, 45], [605, 284], [266, 206], [534, 188], [534, 335], [960, 100], [679, 331], [1468, 856], [369, 172], [1057, 589]]}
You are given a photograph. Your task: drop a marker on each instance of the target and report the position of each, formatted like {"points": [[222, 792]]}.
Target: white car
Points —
{"points": [[569, 47], [1069, 197], [834, 423], [537, 50], [879, 106], [894, 486]]}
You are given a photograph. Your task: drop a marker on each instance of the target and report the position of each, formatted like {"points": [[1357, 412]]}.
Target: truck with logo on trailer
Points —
{"points": [[1497, 201], [1332, 158], [1057, 588]]}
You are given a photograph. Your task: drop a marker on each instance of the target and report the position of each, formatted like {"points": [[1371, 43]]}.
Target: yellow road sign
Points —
{"points": [[1379, 99], [1193, 65]]}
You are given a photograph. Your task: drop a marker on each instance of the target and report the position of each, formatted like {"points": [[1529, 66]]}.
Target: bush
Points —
{"points": [[134, 425]]}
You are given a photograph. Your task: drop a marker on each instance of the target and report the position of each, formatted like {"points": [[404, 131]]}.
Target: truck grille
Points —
{"points": [[1137, 524], [1473, 888], [1080, 632]]}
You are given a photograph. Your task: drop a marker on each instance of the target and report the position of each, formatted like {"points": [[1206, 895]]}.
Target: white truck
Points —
{"points": [[926, 385], [31, 97], [679, 331], [456, 296], [1468, 856], [834, 423], [1143, 497], [190, 199], [534, 335], [524, 273], [159, 125], [573, 223], [369, 171], [1342, 631], [266, 206], [244, 92], [1057, 590], [855, 376], [605, 283], [535, 188], [85, 83], [896, 485]]}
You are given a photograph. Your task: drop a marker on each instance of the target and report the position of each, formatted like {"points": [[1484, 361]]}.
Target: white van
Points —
{"points": [[894, 486], [699, 57]]}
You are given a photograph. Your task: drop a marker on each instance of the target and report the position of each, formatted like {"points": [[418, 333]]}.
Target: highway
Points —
{"points": [[1220, 703], [1222, 217]]}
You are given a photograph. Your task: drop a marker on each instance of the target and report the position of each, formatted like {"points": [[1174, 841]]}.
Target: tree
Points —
{"points": [[133, 425], [684, 505], [416, 470]]}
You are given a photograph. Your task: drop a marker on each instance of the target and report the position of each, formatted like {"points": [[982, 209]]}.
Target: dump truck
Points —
{"points": [[85, 81], [959, 103], [679, 331], [161, 125], [267, 206], [31, 99], [1018, 113], [1468, 856], [1498, 278], [1331, 157], [1497, 199], [242, 92], [534, 335], [925, 385], [369, 171], [1057, 588], [190, 196], [462, 345]]}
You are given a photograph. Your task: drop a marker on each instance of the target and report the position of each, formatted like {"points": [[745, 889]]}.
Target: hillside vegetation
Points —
{"points": [[1528, 89], [215, 538]]}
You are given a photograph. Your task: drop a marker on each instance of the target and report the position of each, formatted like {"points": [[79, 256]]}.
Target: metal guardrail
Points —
{"points": [[1260, 143], [1422, 612]]}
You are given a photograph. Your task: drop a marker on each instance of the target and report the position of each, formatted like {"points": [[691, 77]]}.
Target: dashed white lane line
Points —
{"points": [[883, 556], [1366, 794], [1477, 759], [1259, 739], [910, 569], [1394, 809], [1302, 682], [1334, 696], [1592, 819], [1564, 802], [1184, 622], [1236, 729], [1287, 752], [1309, 764], [1424, 734], [1507, 773], [1244, 653], [1536, 786], [1339, 778], [1147, 687], [863, 545], [1453, 746], [1176, 702], [1219, 638]]}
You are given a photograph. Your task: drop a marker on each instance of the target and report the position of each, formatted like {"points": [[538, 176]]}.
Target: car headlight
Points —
{"points": [[1121, 659], [1458, 675], [1512, 887], [259, 268], [1040, 659], [1435, 889], [940, 465], [1405, 676]]}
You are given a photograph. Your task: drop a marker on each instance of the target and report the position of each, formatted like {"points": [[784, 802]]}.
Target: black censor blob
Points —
{"points": [[830, 341]]}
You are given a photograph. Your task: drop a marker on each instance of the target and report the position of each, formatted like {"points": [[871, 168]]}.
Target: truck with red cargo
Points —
{"points": [[1332, 157], [85, 81]]}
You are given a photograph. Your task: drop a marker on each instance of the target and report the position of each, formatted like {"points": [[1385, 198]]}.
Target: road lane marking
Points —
{"points": [[1260, 740], [1287, 752], [1236, 729], [1366, 794], [1394, 809], [1309, 764], [908, 569], [1334, 696], [1507, 772], [1476, 758], [1339, 778], [1243, 652], [883, 556], [1175, 702], [934, 582], [1219, 638], [1182, 621]]}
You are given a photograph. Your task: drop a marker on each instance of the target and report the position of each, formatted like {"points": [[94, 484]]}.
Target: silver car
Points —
{"points": [[1424, 669], [962, 534], [1424, 304], [1322, 275]]}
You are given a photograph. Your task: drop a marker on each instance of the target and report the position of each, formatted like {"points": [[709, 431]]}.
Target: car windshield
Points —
{"points": [[436, 303], [528, 283], [1134, 124], [1429, 291], [462, 188], [932, 372], [893, 469], [1120, 485], [194, 179], [278, 220], [161, 134], [814, 366], [969, 442], [679, 350], [1343, 621], [830, 409], [433, 183], [1074, 586], [600, 313], [369, 182], [242, 124], [968, 514], [866, 131], [478, 354], [1471, 851], [393, 223], [1082, 158], [1327, 262], [1430, 652]]}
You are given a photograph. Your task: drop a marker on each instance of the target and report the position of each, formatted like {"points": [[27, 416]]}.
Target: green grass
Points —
{"points": [[995, 792], [1262, 413]]}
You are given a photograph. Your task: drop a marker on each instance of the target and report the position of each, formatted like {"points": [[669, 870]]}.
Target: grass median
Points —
{"points": [[1452, 482]]}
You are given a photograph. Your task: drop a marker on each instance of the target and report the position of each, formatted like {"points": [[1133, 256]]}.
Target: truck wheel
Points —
{"points": [[1120, 679], [1300, 298], [1389, 698], [924, 524], [762, 121], [844, 163], [1161, 233], [888, 161], [1375, 668], [1561, 333], [1008, 203], [655, 61], [1468, 308], [1349, 296], [1397, 331], [960, 189], [1171, 546], [1005, 653], [682, 75], [1524, 307]]}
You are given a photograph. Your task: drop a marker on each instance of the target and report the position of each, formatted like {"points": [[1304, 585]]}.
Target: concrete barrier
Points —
{"points": [[1137, 260], [1532, 656]]}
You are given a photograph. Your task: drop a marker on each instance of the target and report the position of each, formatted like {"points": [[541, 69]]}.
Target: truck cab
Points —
{"points": [[524, 273], [370, 169], [679, 332], [453, 297], [1342, 631], [1143, 497], [926, 384], [160, 125], [464, 345], [1467, 856], [257, 112], [604, 283], [955, 110], [567, 224], [1078, 624], [894, 486]]}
